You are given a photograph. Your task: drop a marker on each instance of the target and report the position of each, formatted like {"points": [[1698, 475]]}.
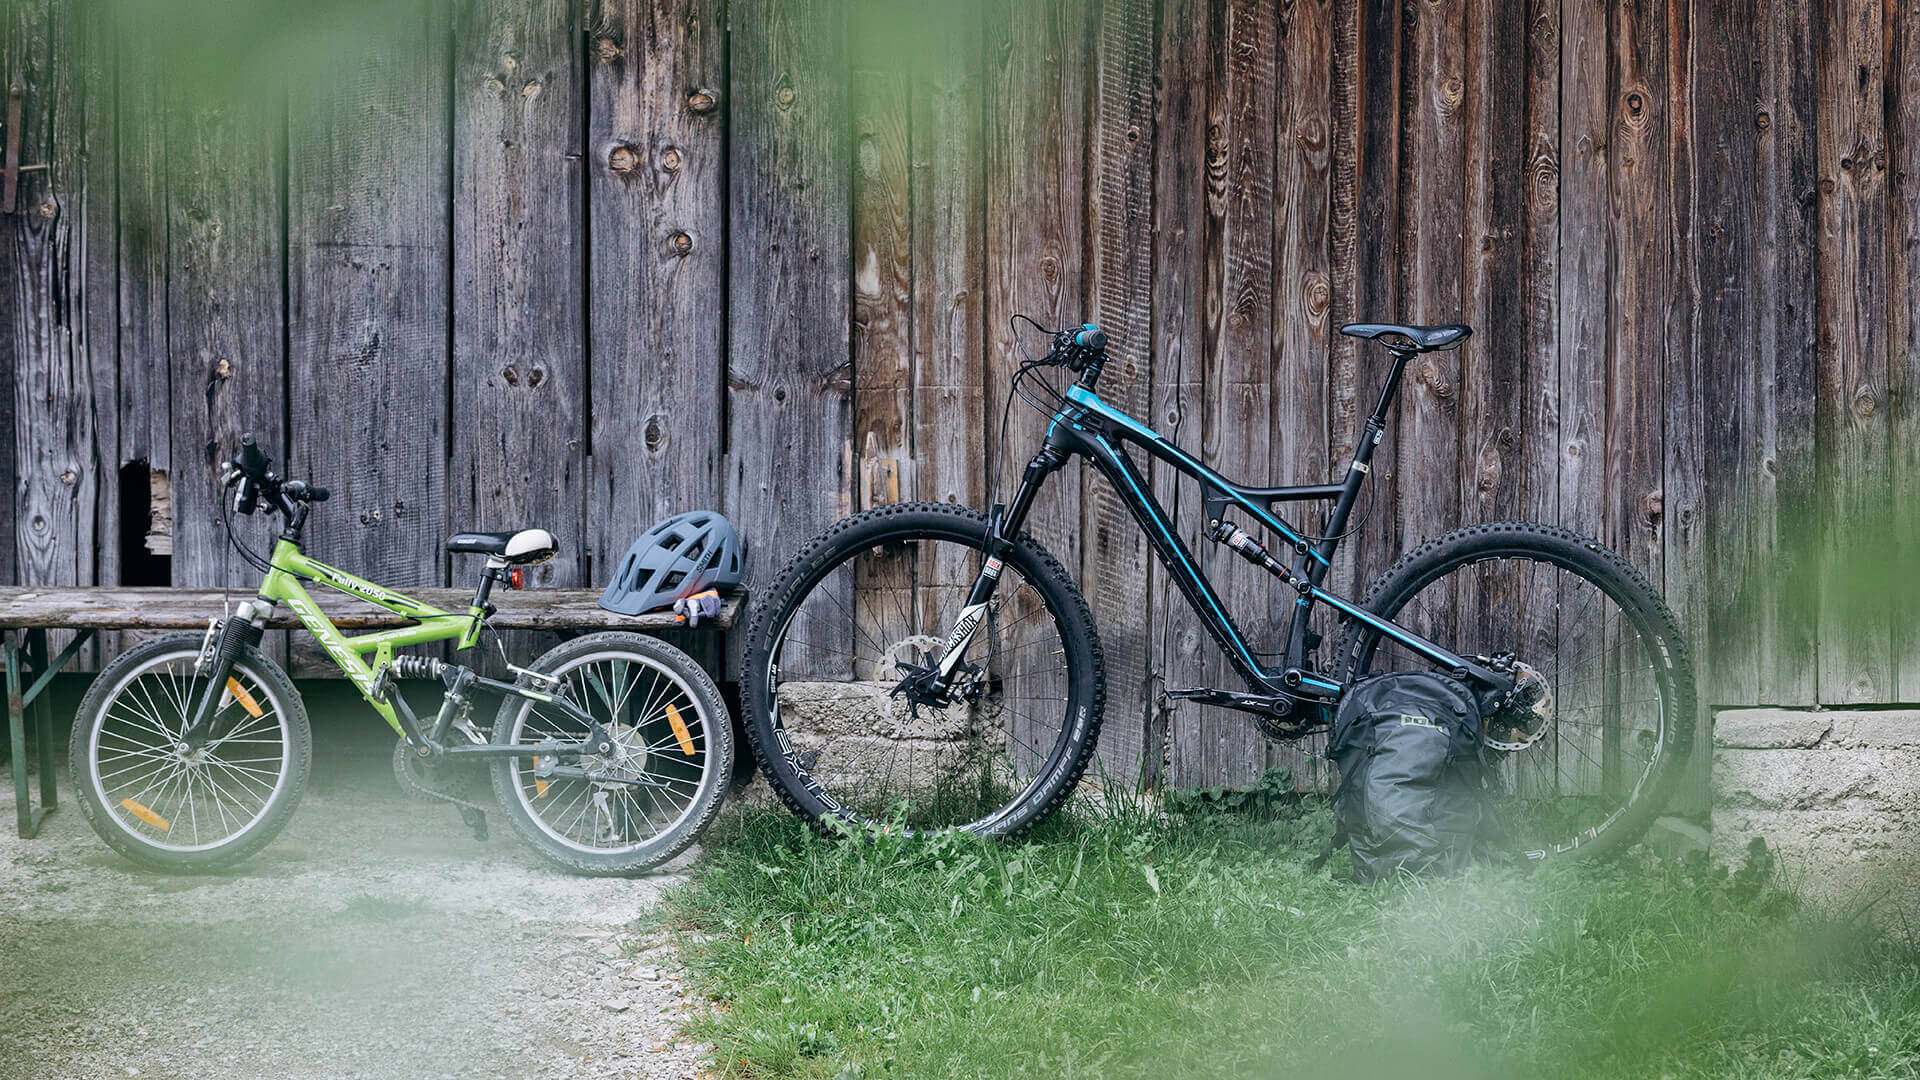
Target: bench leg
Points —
{"points": [[43, 719], [24, 818]]}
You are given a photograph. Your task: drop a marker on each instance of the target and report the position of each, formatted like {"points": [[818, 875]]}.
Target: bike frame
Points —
{"points": [[289, 566], [1087, 426]]}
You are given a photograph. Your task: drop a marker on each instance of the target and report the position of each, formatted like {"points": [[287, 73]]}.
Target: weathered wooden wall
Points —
{"points": [[475, 263]]}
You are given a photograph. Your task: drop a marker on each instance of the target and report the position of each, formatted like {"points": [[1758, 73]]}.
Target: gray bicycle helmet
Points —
{"points": [[679, 556]]}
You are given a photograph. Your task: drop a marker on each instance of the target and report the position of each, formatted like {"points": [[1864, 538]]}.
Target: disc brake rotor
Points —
{"points": [[1528, 714]]}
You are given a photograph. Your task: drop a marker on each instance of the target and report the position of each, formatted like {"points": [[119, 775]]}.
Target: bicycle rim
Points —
{"points": [[174, 801], [1563, 780], [856, 741], [661, 736]]}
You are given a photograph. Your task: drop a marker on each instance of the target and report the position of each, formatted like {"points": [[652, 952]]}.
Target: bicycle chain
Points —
{"points": [[404, 760]]}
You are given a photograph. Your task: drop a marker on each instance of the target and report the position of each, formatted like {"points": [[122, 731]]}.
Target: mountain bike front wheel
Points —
{"points": [[169, 807], [1582, 771], [635, 808], [863, 608]]}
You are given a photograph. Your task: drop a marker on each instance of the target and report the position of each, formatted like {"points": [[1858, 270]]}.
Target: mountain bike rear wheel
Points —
{"points": [[1583, 774], [862, 607]]}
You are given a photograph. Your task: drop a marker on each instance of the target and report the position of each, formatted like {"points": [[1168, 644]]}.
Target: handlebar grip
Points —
{"points": [[1089, 336], [252, 459], [318, 494]]}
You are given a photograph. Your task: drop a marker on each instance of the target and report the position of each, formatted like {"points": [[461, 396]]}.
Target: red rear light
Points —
{"points": [[517, 577]]}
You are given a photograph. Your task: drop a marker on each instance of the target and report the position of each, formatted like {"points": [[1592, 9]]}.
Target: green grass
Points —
{"points": [[1201, 944]]}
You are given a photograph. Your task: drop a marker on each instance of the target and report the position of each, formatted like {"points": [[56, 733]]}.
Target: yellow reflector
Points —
{"points": [[245, 699], [680, 731], [147, 815], [539, 789]]}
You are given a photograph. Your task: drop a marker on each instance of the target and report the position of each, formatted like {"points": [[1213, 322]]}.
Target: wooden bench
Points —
{"points": [[28, 612]]}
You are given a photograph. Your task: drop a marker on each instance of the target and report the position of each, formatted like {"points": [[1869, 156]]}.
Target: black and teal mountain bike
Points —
{"points": [[610, 753], [923, 666]]}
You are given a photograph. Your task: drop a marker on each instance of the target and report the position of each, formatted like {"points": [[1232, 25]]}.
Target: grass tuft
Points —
{"points": [[1141, 941]]}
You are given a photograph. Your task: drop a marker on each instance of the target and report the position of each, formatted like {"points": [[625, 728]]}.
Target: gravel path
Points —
{"points": [[375, 938]]}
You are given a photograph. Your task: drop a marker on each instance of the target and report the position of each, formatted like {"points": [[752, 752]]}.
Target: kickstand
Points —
{"points": [[476, 820]]}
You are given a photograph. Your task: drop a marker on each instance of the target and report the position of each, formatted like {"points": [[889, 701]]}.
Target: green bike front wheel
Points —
{"points": [[170, 808]]}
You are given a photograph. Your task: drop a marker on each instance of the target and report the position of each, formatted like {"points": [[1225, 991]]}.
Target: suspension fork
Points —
{"points": [[238, 633], [1003, 521]]}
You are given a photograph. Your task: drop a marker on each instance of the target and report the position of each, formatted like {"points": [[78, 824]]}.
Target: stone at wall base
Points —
{"points": [[1836, 796], [1673, 838]]}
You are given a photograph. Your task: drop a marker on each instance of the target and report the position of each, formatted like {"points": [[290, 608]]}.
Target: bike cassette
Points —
{"points": [[1527, 713]]}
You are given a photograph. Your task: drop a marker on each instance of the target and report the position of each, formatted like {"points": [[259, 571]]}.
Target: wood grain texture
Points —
{"points": [[1039, 59], [1903, 328], [107, 608], [1855, 488], [369, 254], [1120, 275], [789, 312], [1302, 299], [656, 194], [1180, 268], [519, 398]]}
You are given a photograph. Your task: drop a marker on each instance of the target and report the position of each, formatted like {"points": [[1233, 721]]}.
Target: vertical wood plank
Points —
{"points": [[881, 101], [1540, 266], [225, 318], [1854, 478], [369, 256], [1494, 391], [1383, 71], [59, 294], [1775, 403], [1903, 345], [1585, 298], [145, 392], [788, 314], [1685, 426], [1181, 166], [1345, 76], [1433, 176], [1119, 220], [656, 196], [1302, 297], [520, 376], [1237, 369], [948, 223]]}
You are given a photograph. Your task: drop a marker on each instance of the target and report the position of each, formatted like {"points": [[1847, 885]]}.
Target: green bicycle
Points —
{"points": [[610, 753]]}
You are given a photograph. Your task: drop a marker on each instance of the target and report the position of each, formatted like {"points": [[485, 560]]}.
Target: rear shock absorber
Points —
{"points": [[1250, 549]]}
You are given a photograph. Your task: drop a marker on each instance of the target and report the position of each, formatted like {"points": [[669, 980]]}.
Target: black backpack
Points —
{"points": [[1412, 789]]}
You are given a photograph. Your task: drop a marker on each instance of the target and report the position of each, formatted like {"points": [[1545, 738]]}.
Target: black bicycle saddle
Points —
{"points": [[1423, 338]]}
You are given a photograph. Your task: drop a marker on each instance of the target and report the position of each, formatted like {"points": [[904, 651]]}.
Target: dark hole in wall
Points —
{"points": [[146, 525]]}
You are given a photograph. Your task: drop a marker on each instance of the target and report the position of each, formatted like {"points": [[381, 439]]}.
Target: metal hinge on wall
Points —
{"points": [[10, 168]]}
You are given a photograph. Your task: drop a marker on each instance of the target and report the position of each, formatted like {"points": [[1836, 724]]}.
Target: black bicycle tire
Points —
{"points": [[93, 705], [1086, 670], [1647, 611]]}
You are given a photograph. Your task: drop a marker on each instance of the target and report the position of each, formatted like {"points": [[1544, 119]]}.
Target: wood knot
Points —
{"points": [[1636, 103], [536, 377], [784, 96], [1050, 268], [607, 50], [511, 376], [1653, 506], [1763, 121], [670, 159], [703, 100], [623, 159], [69, 478], [1319, 296], [1452, 93], [530, 91], [655, 433], [680, 243], [1311, 133], [494, 86], [1865, 403]]}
